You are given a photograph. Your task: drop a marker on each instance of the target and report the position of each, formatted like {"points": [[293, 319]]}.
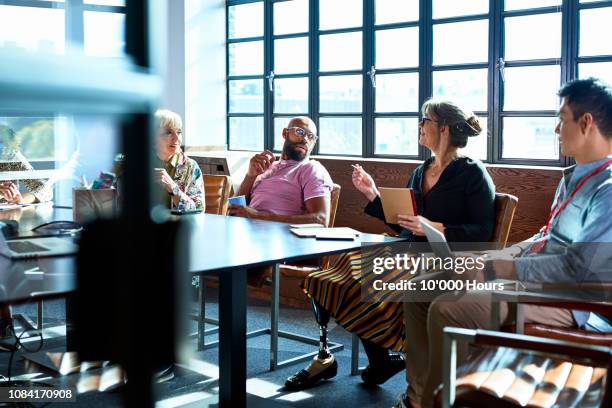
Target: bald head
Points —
{"points": [[305, 123]]}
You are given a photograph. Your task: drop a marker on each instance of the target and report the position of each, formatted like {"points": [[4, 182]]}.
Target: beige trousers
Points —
{"points": [[426, 320]]}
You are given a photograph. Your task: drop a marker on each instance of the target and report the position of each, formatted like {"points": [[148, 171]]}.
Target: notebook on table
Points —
{"points": [[339, 233]]}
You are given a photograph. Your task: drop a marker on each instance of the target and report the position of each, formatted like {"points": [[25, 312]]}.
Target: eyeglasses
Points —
{"points": [[311, 137], [167, 132], [425, 119]]}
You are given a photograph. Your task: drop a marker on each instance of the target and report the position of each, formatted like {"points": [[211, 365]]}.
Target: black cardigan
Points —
{"points": [[463, 200]]}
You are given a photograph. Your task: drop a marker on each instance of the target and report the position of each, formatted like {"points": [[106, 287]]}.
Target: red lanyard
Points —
{"points": [[557, 209]]}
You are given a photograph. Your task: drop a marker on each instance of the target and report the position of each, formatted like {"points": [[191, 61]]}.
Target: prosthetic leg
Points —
{"points": [[322, 318], [324, 365]]}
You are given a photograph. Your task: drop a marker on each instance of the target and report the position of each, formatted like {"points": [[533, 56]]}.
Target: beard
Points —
{"points": [[289, 149]]}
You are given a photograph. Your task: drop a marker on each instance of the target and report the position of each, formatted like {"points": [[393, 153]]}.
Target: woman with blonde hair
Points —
{"points": [[178, 175]]}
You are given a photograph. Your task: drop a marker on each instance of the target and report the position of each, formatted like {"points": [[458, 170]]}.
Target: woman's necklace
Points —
{"points": [[436, 171]]}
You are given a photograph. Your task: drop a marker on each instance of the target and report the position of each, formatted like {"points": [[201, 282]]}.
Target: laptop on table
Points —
{"points": [[37, 247]]}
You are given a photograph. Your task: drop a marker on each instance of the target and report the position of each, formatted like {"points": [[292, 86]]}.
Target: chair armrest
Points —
{"points": [[556, 299], [580, 353]]}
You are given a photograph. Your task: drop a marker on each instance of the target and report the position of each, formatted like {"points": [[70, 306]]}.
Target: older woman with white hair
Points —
{"points": [[179, 176]]}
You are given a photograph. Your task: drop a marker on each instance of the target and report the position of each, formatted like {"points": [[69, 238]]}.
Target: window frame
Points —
{"points": [[568, 65]]}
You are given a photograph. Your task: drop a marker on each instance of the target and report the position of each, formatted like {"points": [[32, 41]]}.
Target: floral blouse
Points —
{"points": [[41, 189], [187, 174]]}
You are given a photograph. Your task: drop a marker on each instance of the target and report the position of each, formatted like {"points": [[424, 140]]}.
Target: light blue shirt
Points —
{"points": [[579, 241]]}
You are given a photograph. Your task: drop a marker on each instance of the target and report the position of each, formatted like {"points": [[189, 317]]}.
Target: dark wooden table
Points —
{"points": [[227, 246]]}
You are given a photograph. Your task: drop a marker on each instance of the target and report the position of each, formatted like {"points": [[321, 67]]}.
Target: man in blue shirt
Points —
{"points": [[574, 247]]}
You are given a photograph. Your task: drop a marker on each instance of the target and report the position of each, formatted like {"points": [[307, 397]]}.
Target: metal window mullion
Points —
{"points": [[74, 23], [425, 60], [368, 61], [496, 98], [227, 80], [268, 67], [313, 45], [594, 5], [33, 3], [568, 48], [532, 63], [593, 58], [393, 26], [532, 11], [491, 73], [460, 19], [458, 67], [104, 9], [240, 2]]}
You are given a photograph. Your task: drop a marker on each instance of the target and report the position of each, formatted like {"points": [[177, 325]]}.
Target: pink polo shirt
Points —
{"points": [[286, 185]]}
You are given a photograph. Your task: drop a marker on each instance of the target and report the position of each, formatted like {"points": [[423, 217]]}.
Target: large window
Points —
{"points": [[93, 27], [361, 69]]}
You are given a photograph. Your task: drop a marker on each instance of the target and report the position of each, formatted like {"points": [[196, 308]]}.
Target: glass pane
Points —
{"points": [[527, 4], [32, 29], [112, 43], [595, 31], [521, 44], [397, 136], [33, 137], [340, 14], [397, 92], [61, 150], [340, 52], [530, 138], [387, 55], [246, 133], [245, 20], [279, 124], [105, 2], [291, 95], [340, 136], [477, 146], [601, 70], [531, 88], [246, 58], [291, 56], [466, 87], [461, 43], [393, 11], [246, 96], [591, 1], [453, 8], [340, 93], [290, 17]]}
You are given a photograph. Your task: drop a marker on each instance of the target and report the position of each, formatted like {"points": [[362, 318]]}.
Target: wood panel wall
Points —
{"points": [[534, 187]]}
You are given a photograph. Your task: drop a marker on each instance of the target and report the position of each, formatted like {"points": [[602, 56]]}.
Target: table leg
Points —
{"points": [[232, 339], [70, 305]]}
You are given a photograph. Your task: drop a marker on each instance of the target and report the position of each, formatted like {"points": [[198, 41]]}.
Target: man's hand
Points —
{"points": [[260, 163], [164, 179], [10, 192], [241, 211], [413, 224]]}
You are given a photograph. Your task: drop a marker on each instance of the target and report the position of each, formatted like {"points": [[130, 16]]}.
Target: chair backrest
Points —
{"points": [[335, 197], [505, 206], [217, 190]]}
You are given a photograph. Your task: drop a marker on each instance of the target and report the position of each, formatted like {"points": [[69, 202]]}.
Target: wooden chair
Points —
{"points": [[505, 207], [217, 191], [513, 370]]}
